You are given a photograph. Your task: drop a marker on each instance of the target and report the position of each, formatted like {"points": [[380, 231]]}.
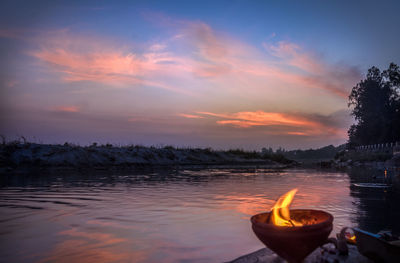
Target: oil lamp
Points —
{"points": [[292, 234]]}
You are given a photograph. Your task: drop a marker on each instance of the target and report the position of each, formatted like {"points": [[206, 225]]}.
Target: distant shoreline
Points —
{"points": [[32, 155]]}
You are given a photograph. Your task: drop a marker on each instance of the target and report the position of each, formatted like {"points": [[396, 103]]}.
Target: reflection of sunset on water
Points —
{"points": [[248, 205], [168, 216], [81, 246]]}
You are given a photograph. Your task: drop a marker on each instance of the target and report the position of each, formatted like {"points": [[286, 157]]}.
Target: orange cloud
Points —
{"points": [[271, 118], [260, 118], [277, 123], [297, 133], [191, 116], [67, 108], [240, 123]]}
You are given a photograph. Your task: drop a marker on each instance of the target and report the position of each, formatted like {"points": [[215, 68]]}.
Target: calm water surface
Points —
{"points": [[172, 215]]}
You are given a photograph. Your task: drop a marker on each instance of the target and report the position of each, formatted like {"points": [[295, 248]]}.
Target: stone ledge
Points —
{"points": [[265, 255]]}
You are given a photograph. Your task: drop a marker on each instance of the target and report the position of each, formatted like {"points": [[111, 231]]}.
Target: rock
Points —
{"points": [[319, 255]]}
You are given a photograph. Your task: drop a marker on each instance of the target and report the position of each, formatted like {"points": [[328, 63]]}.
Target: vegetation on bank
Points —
{"points": [[363, 156], [314, 155], [21, 152]]}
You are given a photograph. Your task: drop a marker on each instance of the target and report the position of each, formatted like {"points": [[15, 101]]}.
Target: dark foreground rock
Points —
{"points": [[265, 255]]}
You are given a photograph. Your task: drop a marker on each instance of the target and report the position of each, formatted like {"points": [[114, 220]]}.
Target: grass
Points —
{"points": [[148, 153]]}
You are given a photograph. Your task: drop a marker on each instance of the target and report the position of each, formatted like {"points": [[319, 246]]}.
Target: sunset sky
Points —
{"points": [[221, 74]]}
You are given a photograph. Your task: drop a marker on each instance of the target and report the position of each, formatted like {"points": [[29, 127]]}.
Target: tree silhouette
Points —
{"points": [[376, 107]]}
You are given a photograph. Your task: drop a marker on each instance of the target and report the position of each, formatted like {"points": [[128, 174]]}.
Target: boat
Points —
{"points": [[381, 247]]}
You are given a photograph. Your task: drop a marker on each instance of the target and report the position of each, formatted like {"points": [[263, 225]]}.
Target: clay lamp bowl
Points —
{"points": [[292, 234], [294, 243]]}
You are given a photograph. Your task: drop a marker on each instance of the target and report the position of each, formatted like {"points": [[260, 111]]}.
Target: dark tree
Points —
{"points": [[392, 76], [376, 103]]}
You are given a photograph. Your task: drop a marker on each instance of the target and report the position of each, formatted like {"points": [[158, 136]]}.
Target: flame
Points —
{"points": [[280, 214], [350, 238]]}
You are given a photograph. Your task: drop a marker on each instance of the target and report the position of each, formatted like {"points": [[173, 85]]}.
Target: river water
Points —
{"points": [[177, 215]]}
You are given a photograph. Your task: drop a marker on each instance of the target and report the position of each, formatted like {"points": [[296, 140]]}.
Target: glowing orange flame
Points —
{"points": [[350, 238], [280, 214]]}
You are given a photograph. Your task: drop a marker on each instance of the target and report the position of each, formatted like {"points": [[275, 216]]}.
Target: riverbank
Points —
{"points": [[353, 158], [376, 159], [17, 154]]}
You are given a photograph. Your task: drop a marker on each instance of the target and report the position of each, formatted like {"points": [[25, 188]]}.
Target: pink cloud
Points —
{"points": [[112, 68], [209, 55], [207, 42], [316, 72], [67, 109], [293, 55], [11, 83], [218, 55], [77, 65], [157, 47], [190, 116], [8, 33]]}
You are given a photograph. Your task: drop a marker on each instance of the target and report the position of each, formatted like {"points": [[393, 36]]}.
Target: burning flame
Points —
{"points": [[280, 214], [350, 238]]}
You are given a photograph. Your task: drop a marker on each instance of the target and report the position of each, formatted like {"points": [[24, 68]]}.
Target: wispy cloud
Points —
{"points": [[72, 109], [112, 68], [221, 54], [11, 83], [9, 33], [314, 71], [277, 123], [217, 55], [190, 116], [208, 55]]}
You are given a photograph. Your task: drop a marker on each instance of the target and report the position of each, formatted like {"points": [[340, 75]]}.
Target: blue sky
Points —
{"points": [[224, 74]]}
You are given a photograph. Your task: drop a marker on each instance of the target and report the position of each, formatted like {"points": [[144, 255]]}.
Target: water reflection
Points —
{"points": [[169, 215], [377, 199]]}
